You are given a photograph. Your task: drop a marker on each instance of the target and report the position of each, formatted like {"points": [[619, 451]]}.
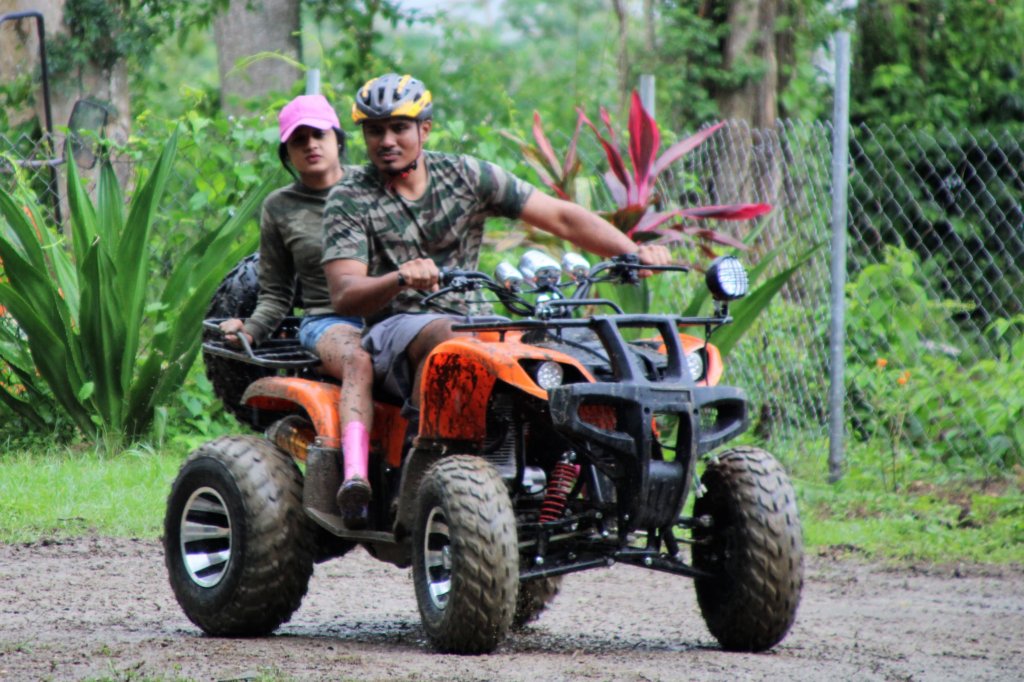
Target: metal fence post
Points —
{"points": [[840, 180], [647, 93], [313, 82]]}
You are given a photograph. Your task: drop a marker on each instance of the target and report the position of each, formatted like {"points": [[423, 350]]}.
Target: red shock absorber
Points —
{"points": [[563, 478]]}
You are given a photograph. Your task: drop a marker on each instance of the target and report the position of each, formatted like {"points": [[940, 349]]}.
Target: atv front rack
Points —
{"points": [[273, 353], [607, 328]]}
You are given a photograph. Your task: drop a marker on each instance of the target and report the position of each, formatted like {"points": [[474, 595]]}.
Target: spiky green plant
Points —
{"points": [[102, 352]]}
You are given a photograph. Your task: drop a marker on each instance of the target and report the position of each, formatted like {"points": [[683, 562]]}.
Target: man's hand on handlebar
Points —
{"points": [[653, 254], [420, 273], [232, 329]]}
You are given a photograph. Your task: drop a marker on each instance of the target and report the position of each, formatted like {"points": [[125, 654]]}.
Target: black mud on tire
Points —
{"points": [[534, 597], [465, 556], [238, 547], [754, 549]]}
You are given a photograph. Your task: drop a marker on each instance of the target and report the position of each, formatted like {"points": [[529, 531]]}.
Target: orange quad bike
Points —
{"points": [[563, 440]]}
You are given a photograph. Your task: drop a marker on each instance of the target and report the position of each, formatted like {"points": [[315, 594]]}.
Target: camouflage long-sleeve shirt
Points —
{"points": [[367, 222], [291, 242]]}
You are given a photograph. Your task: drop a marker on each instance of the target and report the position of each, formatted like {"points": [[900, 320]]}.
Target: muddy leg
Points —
{"points": [[344, 358]]}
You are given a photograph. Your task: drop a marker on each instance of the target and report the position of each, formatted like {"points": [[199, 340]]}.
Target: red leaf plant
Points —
{"points": [[634, 192], [560, 176]]}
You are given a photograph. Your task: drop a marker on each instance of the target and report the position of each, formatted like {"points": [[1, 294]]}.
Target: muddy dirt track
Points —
{"points": [[98, 608]]}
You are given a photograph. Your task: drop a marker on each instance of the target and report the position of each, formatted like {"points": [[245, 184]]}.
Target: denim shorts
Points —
{"points": [[313, 327]]}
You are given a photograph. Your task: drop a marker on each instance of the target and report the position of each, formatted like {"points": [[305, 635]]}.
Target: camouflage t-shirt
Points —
{"points": [[291, 243], [367, 222]]}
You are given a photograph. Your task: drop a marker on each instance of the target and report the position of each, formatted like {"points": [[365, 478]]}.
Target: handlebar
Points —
{"points": [[551, 301]]}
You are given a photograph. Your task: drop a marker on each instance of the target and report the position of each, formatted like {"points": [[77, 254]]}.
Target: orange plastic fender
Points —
{"points": [[320, 401], [459, 376], [281, 394]]}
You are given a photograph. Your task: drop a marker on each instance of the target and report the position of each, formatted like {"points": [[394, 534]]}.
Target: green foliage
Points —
{"points": [[689, 39], [953, 198], [748, 309], [938, 63], [913, 387], [688, 63], [220, 160], [354, 57], [16, 95], [192, 415], [106, 350], [481, 75]]}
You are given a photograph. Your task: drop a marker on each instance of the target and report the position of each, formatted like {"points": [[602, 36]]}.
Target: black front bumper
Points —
{"points": [[650, 490]]}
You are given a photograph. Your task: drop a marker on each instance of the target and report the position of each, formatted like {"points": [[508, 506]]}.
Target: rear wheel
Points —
{"points": [[239, 549], [753, 550], [236, 297], [465, 556]]}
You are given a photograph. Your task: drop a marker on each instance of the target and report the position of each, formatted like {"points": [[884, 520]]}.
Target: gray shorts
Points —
{"points": [[387, 342]]}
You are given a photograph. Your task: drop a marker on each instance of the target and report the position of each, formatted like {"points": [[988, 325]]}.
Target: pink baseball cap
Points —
{"points": [[307, 110]]}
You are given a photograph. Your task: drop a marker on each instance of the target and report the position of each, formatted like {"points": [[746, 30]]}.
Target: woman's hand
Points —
{"points": [[232, 329]]}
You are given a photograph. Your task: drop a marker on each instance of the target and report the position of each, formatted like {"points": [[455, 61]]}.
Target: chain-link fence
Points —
{"points": [[936, 236], [935, 240], [783, 362], [34, 157]]}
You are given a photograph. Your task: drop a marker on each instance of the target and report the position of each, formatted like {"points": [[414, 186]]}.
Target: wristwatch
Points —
{"points": [[401, 279]]}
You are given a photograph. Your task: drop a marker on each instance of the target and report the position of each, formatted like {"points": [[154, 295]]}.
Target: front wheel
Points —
{"points": [[753, 550], [534, 597], [465, 556], [238, 547]]}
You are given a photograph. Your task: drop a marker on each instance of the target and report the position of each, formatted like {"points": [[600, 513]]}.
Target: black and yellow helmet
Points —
{"points": [[391, 96]]}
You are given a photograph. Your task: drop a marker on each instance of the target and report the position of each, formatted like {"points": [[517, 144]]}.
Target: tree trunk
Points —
{"points": [[623, 22], [751, 40], [650, 25], [251, 27], [751, 45]]}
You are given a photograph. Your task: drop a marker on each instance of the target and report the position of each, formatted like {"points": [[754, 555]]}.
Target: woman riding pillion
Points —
{"points": [[311, 148]]}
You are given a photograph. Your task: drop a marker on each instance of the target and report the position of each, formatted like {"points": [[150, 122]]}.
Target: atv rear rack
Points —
{"points": [[274, 353]]}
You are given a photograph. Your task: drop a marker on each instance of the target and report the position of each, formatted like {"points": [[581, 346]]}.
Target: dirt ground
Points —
{"points": [[99, 608]]}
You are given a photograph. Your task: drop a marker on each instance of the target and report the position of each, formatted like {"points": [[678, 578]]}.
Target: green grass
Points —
{"points": [[69, 493], [907, 510], [49, 492]]}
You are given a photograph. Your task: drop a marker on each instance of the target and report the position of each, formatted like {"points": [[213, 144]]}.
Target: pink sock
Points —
{"points": [[355, 447]]}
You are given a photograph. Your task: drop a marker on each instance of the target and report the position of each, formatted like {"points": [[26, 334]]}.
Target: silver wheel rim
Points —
{"points": [[437, 558], [206, 537]]}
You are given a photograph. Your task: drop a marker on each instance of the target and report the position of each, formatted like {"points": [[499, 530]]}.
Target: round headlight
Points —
{"points": [[727, 278], [549, 375], [695, 361]]}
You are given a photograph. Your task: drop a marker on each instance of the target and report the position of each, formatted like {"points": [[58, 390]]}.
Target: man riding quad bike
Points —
{"points": [[563, 441]]}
